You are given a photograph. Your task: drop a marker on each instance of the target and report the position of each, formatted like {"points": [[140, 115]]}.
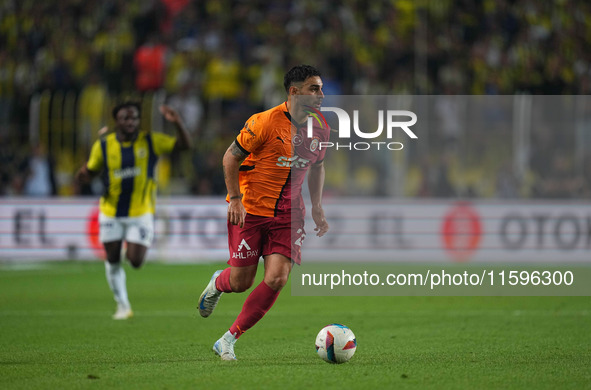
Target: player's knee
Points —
{"points": [[276, 282], [136, 261], [241, 285], [136, 264]]}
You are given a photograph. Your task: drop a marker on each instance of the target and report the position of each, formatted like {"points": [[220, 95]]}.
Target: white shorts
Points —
{"points": [[139, 230]]}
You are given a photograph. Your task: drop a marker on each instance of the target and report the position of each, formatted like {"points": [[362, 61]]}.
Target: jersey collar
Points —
{"points": [[288, 115]]}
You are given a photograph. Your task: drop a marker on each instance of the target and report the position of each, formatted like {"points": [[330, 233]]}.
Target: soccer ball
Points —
{"points": [[336, 343]]}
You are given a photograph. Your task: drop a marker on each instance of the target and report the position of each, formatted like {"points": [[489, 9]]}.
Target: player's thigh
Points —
{"points": [[285, 237], [111, 229], [111, 233], [140, 230], [113, 250], [245, 243], [277, 269]]}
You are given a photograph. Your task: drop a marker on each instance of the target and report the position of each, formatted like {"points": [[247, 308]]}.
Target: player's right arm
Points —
{"points": [[231, 165], [84, 175]]}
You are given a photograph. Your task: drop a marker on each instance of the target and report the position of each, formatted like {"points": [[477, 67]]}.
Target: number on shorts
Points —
{"points": [[300, 240]]}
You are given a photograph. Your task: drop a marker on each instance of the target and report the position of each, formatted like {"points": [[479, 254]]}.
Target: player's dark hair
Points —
{"points": [[123, 105], [299, 74]]}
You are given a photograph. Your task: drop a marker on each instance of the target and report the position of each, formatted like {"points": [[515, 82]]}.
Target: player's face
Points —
{"points": [[128, 120], [306, 95], [312, 86]]}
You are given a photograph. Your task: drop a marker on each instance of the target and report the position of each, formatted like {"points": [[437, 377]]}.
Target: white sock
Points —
{"points": [[117, 282], [230, 336]]}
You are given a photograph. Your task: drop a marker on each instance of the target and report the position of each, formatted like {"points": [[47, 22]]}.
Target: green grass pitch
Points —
{"points": [[56, 332]]}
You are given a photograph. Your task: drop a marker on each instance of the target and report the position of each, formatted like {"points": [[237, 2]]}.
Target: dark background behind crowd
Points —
{"points": [[219, 61]]}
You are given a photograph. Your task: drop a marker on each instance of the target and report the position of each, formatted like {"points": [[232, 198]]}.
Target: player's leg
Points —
{"points": [[277, 270], [257, 304], [239, 279], [236, 279], [139, 235], [231, 279], [245, 249], [245, 246], [136, 253], [262, 298], [280, 249], [111, 235]]}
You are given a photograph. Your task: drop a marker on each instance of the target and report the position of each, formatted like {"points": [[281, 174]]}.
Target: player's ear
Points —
{"points": [[293, 90]]}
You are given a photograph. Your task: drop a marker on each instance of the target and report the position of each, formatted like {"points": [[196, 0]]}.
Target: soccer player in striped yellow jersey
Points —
{"points": [[127, 158]]}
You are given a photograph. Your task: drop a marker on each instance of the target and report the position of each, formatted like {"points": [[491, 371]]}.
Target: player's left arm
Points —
{"points": [[183, 141], [316, 184]]}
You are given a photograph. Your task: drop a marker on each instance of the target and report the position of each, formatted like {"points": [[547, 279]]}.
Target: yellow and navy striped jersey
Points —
{"points": [[128, 172]]}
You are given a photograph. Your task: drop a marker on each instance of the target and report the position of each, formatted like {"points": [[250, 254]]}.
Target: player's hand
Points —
{"points": [[82, 176], [320, 221], [170, 113], [236, 212], [103, 130]]}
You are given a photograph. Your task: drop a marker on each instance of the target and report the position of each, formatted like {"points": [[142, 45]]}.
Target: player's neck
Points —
{"points": [[126, 137], [296, 115]]}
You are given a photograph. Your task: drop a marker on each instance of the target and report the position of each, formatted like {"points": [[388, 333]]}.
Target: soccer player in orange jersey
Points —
{"points": [[264, 169]]}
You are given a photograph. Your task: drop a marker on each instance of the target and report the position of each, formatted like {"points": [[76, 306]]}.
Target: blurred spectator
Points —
{"points": [[92, 106], [7, 69], [560, 182], [450, 111], [586, 179], [188, 104], [8, 164], [267, 77], [150, 60], [223, 78], [113, 47], [39, 180], [442, 185], [507, 185]]}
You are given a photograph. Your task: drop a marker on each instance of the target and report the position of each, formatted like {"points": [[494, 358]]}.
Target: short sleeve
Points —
{"points": [[95, 161], [162, 143], [252, 135]]}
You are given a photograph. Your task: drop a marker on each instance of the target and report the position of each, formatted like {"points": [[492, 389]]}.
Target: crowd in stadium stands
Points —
{"points": [[218, 61]]}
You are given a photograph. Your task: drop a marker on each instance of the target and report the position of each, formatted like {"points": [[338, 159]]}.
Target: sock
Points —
{"points": [[222, 283], [117, 282], [229, 336], [258, 303]]}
